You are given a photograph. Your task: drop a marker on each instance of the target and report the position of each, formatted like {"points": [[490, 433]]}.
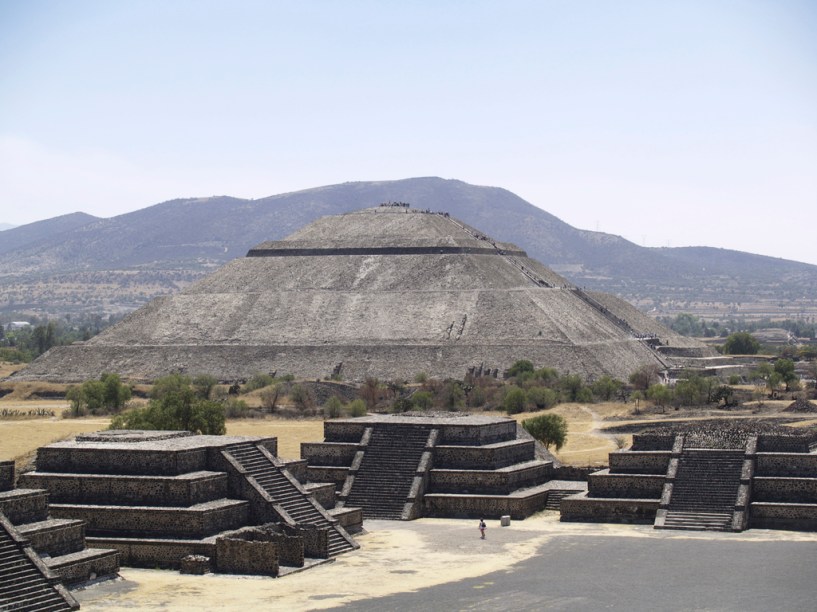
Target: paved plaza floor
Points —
{"points": [[536, 564]]}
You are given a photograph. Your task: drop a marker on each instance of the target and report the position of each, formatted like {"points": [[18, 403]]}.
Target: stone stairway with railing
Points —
{"points": [[704, 491], [286, 491], [26, 584], [383, 483]]}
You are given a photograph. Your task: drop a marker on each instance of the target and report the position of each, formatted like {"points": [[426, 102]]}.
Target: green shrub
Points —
{"points": [[514, 400], [333, 407], [422, 400], [235, 408], [549, 429], [542, 397], [356, 408], [258, 381]]}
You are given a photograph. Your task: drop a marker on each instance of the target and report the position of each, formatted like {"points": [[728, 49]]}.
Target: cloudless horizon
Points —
{"points": [[670, 124]]}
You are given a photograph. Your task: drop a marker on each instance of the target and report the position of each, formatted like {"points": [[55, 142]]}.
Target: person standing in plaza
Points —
{"points": [[481, 529]]}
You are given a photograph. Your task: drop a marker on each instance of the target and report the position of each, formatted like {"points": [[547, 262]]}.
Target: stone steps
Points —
{"points": [[385, 477], [83, 565], [698, 521], [297, 503], [23, 586], [705, 490]]}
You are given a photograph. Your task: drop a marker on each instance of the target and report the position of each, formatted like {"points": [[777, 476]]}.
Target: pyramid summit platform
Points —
{"points": [[386, 292]]}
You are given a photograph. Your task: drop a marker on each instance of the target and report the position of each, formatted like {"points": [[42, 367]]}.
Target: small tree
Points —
{"points": [[333, 408], [519, 367], [356, 408], [514, 400], [660, 395], [203, 384], [741, 343], [542, 397], [302, 398], [645, 376], [549, 429], [269, 398], [422, 400]]}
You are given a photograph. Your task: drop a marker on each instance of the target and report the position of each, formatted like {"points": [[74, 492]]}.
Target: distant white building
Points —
{"points": [[17, 325]]}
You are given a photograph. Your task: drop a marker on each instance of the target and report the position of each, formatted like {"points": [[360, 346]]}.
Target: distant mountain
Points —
{"points": [[6, 226], [42, 234], [163, 247]]}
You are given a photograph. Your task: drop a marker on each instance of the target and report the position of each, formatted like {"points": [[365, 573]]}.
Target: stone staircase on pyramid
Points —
{"points": [[26, 583], [704, 491], [383, 483], [299, 507]]}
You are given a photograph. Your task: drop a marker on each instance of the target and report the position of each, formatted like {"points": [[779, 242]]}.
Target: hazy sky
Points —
{"points": [[669, 123]]}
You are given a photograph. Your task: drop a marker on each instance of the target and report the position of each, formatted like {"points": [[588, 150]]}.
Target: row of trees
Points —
{"points": [[690, 325], [26, 343]]}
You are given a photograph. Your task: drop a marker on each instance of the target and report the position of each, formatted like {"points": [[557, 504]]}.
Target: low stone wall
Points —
{"points": [[490, 482], [609, 510], [6, 475], [772, 443], [136, 461], [72, 571], [329, 453], [637, 486], [652, 442], [289, 542], [296, 468], [572, 472], [476, 434], [491, 456], [24, 505], [316, 541], [784, 489], [344, 431], [335, 475], [785, 464], [770, 515], [646, 462], [445, 505], [197, 521], [153, 553], [55, 537], [184, 490], [351, 519], [323, 493]]}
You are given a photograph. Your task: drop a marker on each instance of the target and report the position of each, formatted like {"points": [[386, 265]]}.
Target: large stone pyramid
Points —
{"points": [[388, 292]]}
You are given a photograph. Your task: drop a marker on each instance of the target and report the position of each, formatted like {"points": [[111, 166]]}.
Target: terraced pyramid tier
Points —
{"points": [[385, 292]]}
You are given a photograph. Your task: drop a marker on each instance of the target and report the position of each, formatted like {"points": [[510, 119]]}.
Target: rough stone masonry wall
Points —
{"points": [[6, 475], [786, 464], [647, 462], [135, 461], [483, 457], [639, 486], [185, 490]]}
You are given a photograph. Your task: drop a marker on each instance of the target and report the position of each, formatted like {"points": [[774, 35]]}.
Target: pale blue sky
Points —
{"points": [[669, 123]]}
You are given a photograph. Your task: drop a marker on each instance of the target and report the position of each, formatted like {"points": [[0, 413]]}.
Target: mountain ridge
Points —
{"points": [[192, 236]]}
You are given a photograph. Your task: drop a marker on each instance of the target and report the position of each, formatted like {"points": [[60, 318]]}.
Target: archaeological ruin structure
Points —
{"points": [[411, 465], [386, 292], [718, 477], [200, 503]]}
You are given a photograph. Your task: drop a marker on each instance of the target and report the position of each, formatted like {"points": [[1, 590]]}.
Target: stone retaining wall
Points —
{"points": [[6, 475], [335, 475], [771, 515], [24, 505], [652, 442], [329, 453], [782, 489], [153, 553], [782, 444], [483, 457], [184, 490], [785, 464], [55, 538], [483, 506], [194, 522], [489, 482], [135, 461], [323, 493], [646, 462], [610, 510], [638, 486]]}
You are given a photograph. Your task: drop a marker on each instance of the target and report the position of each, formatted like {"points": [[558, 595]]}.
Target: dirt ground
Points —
{"points": [[395, 557]]}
